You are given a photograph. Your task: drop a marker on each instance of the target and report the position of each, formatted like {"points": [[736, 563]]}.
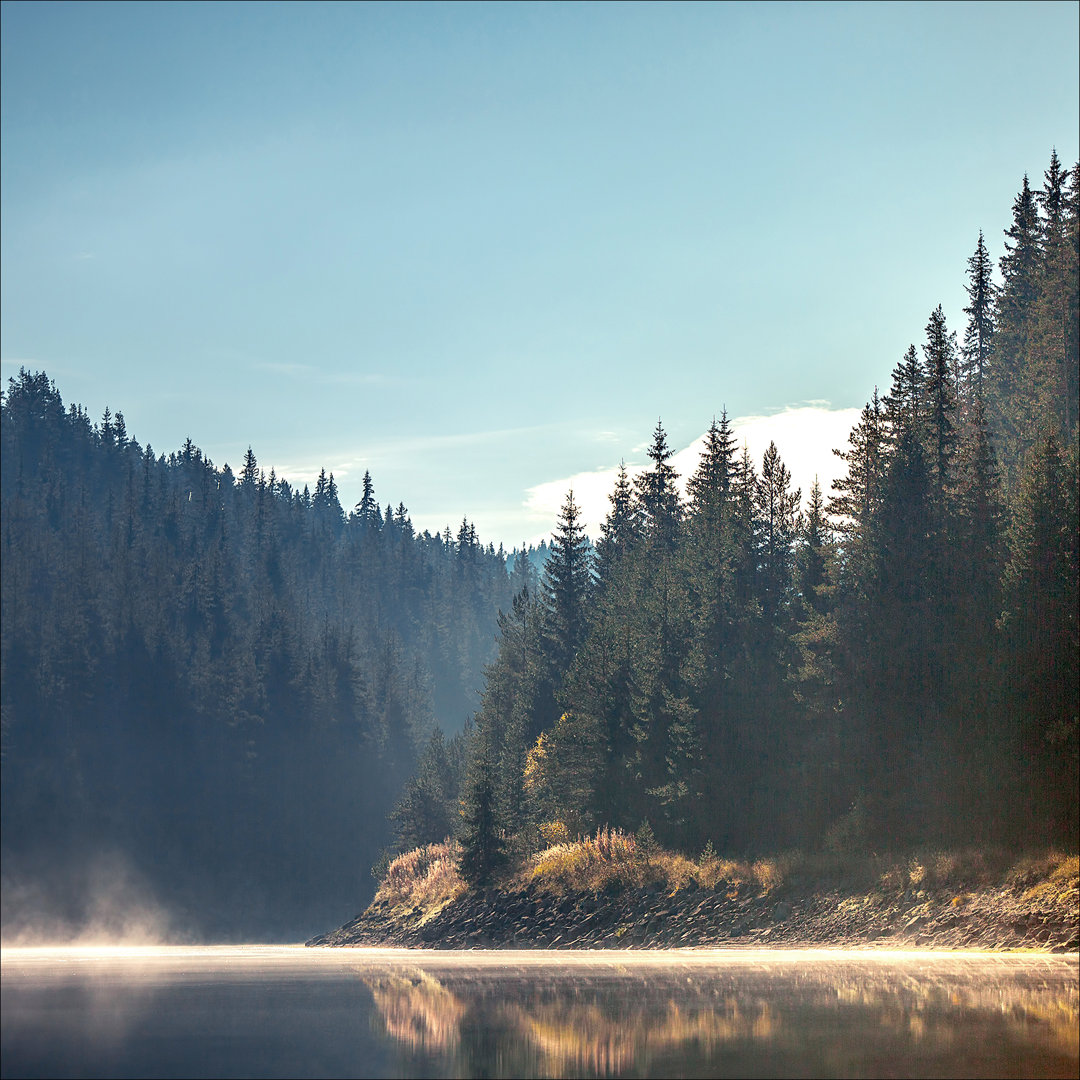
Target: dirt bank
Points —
{"points": [[1022, 915]]}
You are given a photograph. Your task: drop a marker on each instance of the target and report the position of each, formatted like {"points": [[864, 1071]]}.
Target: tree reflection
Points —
{"points": [[548, 1021]]}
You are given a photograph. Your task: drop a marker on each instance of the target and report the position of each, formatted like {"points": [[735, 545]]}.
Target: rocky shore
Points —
{"points": [[1014, 917]]}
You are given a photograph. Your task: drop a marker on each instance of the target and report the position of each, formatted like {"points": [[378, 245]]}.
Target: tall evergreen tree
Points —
{"points": [[939, 355], [567, 584], [658, 497], [777, 507], [618, 531], [979, 335]]}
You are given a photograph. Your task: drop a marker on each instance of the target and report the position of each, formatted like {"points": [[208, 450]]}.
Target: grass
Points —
{"points": [[426, 877], [611, 858], [423, 881]]}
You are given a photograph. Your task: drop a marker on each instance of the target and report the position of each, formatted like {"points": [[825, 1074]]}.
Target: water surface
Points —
{"points": [[288, 1011]]}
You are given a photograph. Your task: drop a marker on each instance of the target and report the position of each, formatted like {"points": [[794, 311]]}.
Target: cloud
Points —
{"points": [[805, 435], [320, 376], [276, 368]]}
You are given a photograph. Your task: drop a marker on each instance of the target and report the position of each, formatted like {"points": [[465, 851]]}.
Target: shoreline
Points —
{"points": [[1005, 919]]}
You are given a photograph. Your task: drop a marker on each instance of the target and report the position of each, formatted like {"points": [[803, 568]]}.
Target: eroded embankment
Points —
{"points": [[693, 916]]}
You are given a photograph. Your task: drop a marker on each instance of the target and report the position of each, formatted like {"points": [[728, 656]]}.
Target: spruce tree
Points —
{"points": [[658, 497], [483, 848], [618, 531], [939, 391], [567, 584], [777, 507], [979, 335]]}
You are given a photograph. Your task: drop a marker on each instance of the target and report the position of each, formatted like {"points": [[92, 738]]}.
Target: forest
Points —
{"points": [[895, 665], [235, 697], [214, 685]]}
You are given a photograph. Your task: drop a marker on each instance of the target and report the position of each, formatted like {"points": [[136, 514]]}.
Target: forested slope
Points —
{"points": [[894, 666], [213, 685]]}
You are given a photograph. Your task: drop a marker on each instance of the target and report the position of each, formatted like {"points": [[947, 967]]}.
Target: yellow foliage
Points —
{"points": [[536, 762], [554, 832], [426, 876], [768, 873], [588, 864], [611, 856]]}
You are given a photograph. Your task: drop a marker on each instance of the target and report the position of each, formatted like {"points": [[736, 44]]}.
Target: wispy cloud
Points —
{"points": [[805, 435], [323, 377], [279, 368], [365, 378], [395, 452], [421, 444]]}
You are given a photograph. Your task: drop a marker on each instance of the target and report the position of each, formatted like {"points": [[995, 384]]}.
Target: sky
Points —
{"points": [[481, 249]]}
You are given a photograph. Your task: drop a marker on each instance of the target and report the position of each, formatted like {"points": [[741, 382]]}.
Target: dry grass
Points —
{"points": [[586, 865], [712, 871], [613, 858], [426, 877], [1053, 878]]}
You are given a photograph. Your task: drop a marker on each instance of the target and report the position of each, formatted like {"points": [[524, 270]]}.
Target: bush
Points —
{"points": [[609, 858], [426, 876]]}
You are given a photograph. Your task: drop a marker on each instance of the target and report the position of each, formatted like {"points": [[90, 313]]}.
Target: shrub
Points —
{"points": [[427, 876], [591, 863], [610, 857]]}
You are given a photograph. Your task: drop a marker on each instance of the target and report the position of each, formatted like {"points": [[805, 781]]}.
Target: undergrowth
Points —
{"points": [[427, 878]]}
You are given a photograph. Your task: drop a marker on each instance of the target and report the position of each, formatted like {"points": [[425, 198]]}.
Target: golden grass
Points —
{"points": [[613, 858], [586, 865], [1057, 878], [426, 877]]}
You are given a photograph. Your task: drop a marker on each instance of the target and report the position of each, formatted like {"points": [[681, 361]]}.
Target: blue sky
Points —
{"points": [[480, 249]]}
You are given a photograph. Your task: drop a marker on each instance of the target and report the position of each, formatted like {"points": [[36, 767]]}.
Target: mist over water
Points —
{"points": [[104, 900], [272, 1011]]}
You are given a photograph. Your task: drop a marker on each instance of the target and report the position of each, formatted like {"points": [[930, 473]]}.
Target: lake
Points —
{"points": [[287, 1011]]}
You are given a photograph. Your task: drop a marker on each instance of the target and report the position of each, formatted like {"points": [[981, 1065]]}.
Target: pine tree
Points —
{"points": [[366, 510], [856, 508], [811, 554], [777, 508], [567, 584], [483, 848], [1016, 390], [658, 498], [979, 335], [1053, 338], [618, 531], [249, 474], [939, 354]]}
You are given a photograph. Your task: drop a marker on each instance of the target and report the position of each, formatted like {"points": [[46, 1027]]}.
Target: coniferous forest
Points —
{"points": [[214, 685], [221, 685], [891, 666]]}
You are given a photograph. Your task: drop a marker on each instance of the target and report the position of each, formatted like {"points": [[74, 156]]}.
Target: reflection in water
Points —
{"points": [[952, 1016], [590, 1031], [419, 1012], [293, 1012]]}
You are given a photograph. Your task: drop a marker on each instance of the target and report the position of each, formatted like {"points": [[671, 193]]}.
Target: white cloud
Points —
{"points": [[805, 435]]}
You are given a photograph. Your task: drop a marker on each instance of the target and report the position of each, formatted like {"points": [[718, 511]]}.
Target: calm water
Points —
{"points": [[290, 1011]]}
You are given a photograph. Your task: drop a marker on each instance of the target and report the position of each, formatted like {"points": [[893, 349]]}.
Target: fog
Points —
{"points": [[104, 900]]}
